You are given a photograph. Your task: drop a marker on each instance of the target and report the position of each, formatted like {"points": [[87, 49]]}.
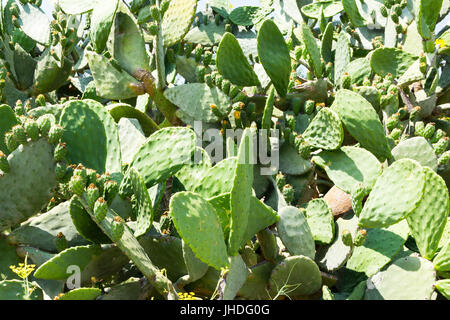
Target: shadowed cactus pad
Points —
{"points": [[295, 276], [31, 172], [325, 130], [409, 278]]}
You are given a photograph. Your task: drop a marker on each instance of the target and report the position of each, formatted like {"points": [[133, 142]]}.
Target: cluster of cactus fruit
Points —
{"points": [[99, 128]]}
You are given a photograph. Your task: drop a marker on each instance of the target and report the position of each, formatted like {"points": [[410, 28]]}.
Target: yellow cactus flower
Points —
{"points": [[440, 42]]}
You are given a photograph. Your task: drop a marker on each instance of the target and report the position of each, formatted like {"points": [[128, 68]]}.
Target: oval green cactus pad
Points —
{"points": [[197, 223], [233, 64], [325, 130], [397, 193]]}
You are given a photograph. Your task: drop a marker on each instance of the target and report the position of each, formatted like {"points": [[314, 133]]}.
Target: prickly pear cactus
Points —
{"points": [[216, 150]]}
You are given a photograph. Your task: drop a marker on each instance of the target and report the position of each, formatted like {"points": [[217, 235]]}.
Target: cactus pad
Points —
{"points": [[241, 191], [427, 221], [217, 180], [40, 231], [325, 130], [177, 20], [7, 121], [379, 248], [332, 257], [350, 167], [197, 223], [299, 275], [362, 122], [156, 161], [295, 232], [92, 136], [57, 267], [233, 64], [32, 173], [409, 278], [391, 60], [274, 55], [312, 49], [196, 99], [248, 15], [81, 294], [110, 83], [133, 184], [397, 192], [416, 148], [320, 220]]}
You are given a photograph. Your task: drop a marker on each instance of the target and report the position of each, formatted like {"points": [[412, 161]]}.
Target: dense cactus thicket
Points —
{"points": [[291, 150]]}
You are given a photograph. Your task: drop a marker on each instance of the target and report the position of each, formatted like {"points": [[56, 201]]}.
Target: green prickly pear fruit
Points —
{"points": [[44, 123], [40, 100], [198, 53], [429, 130], [296, 105], [366, 82], [209, 81], [392, 122], [77, 185], [397, 9], [100, 209], [55, 133], [438, 134], [414, 114], [444, 159], [207, 58], [226, 86], [288, 193], [396, 133], [360, 238], [19, 134], [441, 146], [419, 128], [240, 97], [60, 170], [394, 17], [188, 49], [60, 151], [399, 28], [31, 129], [388, 3], [309, 106], [200, 72], [346, 81], [91, 176], [117, 228], [383, 11], [80, 170], [403, 113], [234, 90], [280, 180], [152, 29], [298, 52], [110, 190], [4, 164], [154, 11], [347, 238], [92, 194], [60, 242], [218, 80]]}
